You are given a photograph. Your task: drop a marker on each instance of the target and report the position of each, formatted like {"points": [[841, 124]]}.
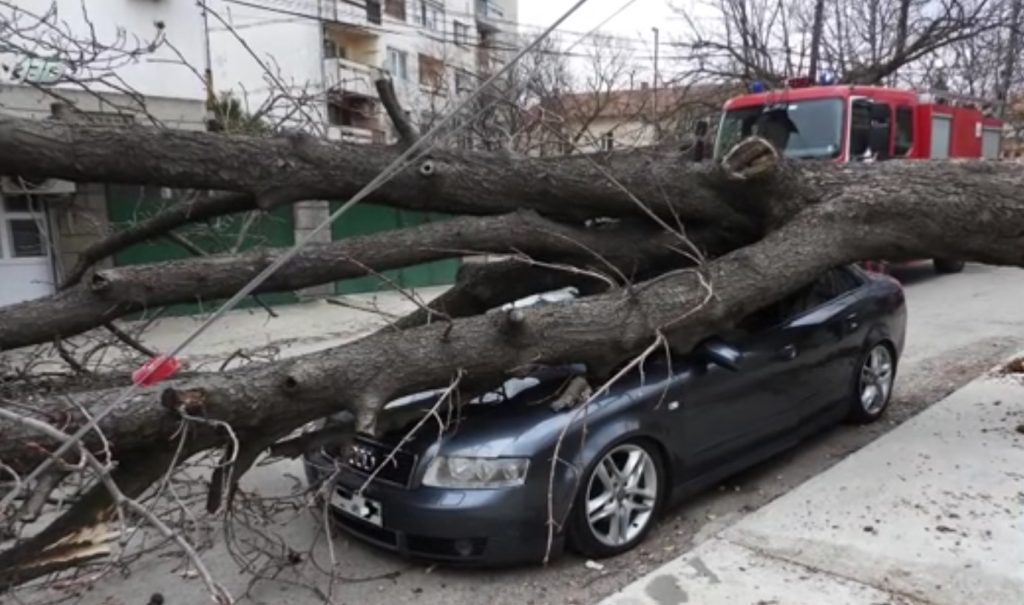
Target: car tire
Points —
{"points": [[630, 505], [945, 266], [873, 380]]}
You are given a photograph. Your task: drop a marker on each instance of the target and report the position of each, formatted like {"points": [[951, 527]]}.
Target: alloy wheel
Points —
{"points": [[876, 377], [622, 495]]}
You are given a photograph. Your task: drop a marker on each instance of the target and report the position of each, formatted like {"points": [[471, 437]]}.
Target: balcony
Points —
{"points": [[350, 77], [490, 17], [366, 14]]}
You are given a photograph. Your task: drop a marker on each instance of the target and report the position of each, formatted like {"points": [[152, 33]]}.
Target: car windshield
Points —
{"points": [[802, 129]]}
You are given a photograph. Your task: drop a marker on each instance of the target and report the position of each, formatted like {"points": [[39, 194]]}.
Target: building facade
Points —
{"points": [[326, 52], [607, 120], [330, 53]]}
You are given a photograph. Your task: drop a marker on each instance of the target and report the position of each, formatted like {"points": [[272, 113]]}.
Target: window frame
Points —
{"points": [[395, 9], [903, 111], [438, 83], [36, 213], [436, 9], [404, 62], [460, 33], [857, 279]]}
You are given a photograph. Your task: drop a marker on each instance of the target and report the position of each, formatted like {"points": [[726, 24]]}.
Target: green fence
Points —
{"points": [[371, 218], [129, 204]]}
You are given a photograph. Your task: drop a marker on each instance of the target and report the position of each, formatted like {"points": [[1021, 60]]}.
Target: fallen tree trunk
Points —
{"points": [[686, 306], [895, 211], [285, 169], [622, 250], [968, 210]]}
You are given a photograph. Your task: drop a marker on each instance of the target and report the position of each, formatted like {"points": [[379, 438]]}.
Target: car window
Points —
{"points": [[831, 285]]}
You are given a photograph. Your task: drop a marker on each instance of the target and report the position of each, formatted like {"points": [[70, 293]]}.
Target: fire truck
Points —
{"points": [[852, 123]]}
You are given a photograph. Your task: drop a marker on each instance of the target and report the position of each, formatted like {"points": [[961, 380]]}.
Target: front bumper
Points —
{"points": [[473, 527]]}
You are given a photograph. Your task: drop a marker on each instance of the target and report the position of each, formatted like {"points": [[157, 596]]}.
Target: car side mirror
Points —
{"points": [[720, 353]]}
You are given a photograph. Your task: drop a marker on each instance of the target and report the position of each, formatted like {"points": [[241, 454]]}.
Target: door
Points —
{"points": [[728, 413], [942, 130], [796, 360], [25, 268], [825, 331]]}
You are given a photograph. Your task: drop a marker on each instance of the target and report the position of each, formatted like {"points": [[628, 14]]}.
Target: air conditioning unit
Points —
{"points": [[26, 186]]}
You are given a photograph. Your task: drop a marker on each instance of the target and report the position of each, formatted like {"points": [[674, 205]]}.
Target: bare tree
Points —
{"points": [[772, 40]]}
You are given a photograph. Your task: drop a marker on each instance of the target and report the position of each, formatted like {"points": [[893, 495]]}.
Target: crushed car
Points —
{"points": [[514, 477]]}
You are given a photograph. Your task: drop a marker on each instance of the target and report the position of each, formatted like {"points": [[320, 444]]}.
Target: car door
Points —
{"points": [[834, 326], [725, 412], [821, 336], [795, 359]]}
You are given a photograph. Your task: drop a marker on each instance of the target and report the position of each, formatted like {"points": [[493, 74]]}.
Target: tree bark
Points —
{"points": [[978, 214], [625, 249], [821, 215], [286, 169]]}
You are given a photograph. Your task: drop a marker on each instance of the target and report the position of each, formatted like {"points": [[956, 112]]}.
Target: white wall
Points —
{"points": [[289, 45], [159, 73]]}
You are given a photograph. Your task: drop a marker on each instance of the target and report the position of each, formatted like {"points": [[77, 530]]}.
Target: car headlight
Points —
{"points": [[476, 473]]}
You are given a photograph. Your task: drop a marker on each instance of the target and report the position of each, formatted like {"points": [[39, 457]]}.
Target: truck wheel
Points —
{"points": [[946, 266]]}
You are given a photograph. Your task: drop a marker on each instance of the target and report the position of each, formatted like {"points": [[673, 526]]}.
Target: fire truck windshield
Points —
{"points": [[802, 129]]}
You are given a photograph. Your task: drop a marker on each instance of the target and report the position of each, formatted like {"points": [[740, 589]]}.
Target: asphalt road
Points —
{"points": [[960, 326]]}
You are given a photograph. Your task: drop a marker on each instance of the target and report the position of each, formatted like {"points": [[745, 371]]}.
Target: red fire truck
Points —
{"points": [[848, 123]]}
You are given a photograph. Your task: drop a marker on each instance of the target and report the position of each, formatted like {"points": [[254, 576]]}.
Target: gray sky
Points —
{"points": [[635, 21]]}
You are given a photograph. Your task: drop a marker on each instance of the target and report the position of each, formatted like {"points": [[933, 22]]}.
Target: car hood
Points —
{"points": [[524, 424]]}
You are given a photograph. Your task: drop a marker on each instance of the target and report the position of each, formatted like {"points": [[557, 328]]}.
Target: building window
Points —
{"points": [[904, 130], [463, 81], [26, 238], [607, 141], [461, 33], [430, 15], [432, 73], [373, 11], [395, 8], [23, 227], [488, 9], [397, 64], [332, 50]]}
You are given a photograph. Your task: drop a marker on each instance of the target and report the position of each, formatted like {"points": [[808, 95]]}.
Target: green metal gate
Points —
{"points": [[371, 218], [129, 204]]}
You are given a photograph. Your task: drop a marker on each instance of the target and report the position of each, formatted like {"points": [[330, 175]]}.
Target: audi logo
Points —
{"points": [[362, 458]]}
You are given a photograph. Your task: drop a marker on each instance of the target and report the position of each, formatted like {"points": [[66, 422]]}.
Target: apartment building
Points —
{"points": [[330, 52]]}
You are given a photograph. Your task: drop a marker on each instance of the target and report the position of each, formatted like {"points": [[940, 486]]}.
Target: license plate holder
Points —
{"points": [[360, 507]]}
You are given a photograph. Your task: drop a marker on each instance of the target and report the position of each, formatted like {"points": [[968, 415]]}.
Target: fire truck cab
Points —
{"points": [[850, 123]]}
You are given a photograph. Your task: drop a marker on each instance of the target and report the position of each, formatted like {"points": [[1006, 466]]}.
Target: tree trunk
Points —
{"points": [[817, 215], [113, 293], [816, 28], [901, 211], [280, 170]]}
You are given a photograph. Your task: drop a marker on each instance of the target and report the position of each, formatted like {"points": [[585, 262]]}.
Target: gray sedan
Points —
{"points": [[485, 490]]}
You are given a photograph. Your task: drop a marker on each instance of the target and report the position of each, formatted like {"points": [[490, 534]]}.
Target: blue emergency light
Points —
{"points": [[757, 86]]}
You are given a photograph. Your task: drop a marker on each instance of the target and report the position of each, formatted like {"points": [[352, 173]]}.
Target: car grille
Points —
{"points": [[366, 457]]}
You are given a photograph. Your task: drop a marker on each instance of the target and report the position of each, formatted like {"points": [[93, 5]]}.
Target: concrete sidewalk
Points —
{"points": [[931, 513]]}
